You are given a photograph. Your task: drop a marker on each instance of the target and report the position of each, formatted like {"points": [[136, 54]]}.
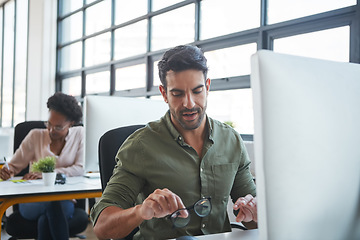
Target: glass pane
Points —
{"points": [[159, 4], [97, 49], [20, 61], [68, 6], [71, 27], [131, 40], [71, 86], [71, 57], [229, 62], [182, 19], [220, 17], [98, 82], [282, 10], [8, 64], [130, 77], [157, 81], [98, 17], [125, 11], [90, 1], [332, 44], [235, 106]]}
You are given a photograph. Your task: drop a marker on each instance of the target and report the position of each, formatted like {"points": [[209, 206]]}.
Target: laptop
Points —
{"points": [[306, 147]]}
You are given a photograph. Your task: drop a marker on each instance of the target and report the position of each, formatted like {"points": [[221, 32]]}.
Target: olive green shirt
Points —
{"points": [[156, 157]]}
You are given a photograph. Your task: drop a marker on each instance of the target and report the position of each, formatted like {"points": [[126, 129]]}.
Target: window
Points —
{"points": [[98, 82], [283, 10], [332, 44], [182, 20], [133, 37], [130, 77], [229, 62], [219, 17], [233, 106], [13, 55], [116, 49]]}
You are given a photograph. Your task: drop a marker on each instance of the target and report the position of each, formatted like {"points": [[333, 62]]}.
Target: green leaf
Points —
{"points": [[46, 164]]}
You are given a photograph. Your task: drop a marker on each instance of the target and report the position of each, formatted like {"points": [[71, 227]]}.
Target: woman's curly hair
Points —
{"points": [[66, 105]]}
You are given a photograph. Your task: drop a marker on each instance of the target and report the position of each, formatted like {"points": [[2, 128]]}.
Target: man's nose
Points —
{"points": [[189, 101]]}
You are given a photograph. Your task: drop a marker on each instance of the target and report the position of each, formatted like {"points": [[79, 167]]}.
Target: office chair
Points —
{"points": [[77, 224], [109, 145]]}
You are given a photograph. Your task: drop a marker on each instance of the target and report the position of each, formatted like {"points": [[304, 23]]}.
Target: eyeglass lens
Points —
{"points": [[181, 217], [56, 128]]}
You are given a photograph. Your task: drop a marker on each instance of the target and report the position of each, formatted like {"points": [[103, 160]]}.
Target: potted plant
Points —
{"points": [[46, 166]]}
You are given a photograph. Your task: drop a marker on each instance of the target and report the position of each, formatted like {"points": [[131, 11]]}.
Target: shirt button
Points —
{"points": [[180, 138], [201, 169], [203, 225]]}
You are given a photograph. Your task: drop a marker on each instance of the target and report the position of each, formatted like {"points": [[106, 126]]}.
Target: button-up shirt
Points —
{"points": [[157, 157]]}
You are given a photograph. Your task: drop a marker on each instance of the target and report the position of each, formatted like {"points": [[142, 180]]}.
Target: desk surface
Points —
{"points": [[235, 234], [13, 191], [36, 187]]}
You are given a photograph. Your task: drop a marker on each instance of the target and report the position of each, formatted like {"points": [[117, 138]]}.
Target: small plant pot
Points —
{"points": [[49, 178]]}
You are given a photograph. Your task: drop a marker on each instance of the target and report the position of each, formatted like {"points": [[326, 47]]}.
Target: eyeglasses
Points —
{"points": [[55, 128], [202, 208]]}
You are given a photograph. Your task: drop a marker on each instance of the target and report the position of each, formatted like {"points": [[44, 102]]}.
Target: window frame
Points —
{"points": [[263, 36]]}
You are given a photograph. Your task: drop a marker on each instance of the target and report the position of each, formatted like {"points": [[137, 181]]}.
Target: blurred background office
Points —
{"points": [[111, 47]]}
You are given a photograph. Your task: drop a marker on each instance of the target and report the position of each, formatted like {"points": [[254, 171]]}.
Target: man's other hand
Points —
{"points": [[247, 207]]}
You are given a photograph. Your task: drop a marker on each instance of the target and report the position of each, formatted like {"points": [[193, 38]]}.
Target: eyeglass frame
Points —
{"points": [[188, 209], [55, 128]]}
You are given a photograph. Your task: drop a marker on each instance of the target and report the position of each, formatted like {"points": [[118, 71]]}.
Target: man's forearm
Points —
{"points": [[115, 222]]}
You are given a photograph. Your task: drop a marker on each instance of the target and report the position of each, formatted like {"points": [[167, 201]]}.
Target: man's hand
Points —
{"points": [[6, 173], [247, 207], [160, 203], [32, 176]]}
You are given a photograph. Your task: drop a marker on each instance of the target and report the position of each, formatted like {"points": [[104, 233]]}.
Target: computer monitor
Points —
{"points": [[103, 113], [306, 143]]}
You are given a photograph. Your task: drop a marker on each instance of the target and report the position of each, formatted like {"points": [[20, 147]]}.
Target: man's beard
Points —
{"points": [[186, 124]]}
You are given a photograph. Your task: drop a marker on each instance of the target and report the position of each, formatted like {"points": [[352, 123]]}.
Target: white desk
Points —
{"points": [[34, 191], [235, 234]]}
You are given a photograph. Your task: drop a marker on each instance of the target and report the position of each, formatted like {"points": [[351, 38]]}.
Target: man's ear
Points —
{"points": [[163, 93], [207, 84]]}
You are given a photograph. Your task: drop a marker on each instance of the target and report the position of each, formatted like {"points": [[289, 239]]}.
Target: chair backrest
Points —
{"points": [[20, 132], [109, 145], [22, 129]]}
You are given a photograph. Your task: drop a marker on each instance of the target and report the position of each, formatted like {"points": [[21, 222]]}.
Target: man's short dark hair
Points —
{"points": [[66, 105], [182, 58]]}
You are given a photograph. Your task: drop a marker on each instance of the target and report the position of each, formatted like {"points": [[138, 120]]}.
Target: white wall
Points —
{"points": [[41, 57]]}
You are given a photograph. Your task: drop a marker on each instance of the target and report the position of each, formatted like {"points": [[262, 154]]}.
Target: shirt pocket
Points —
{"points": [[223, 179]]}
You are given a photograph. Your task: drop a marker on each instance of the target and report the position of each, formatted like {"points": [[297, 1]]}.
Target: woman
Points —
{"points": [[63, 141]]}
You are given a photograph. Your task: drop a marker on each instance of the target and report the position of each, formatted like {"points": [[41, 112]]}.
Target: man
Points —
{"points": [[183, 158]]}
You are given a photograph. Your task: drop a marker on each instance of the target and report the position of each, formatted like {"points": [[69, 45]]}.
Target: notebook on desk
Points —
{"points": [[306, 147]]}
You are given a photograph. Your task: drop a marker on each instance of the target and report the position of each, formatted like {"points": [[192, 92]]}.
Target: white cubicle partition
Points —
{"points": [[306, 142], [103, 113]]}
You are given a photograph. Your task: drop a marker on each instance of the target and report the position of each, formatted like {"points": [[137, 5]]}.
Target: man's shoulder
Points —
{"points": [[218, 125], [222, 130], [151, 129]]}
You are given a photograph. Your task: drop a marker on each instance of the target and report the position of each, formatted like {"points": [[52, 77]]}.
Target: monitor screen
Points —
{"points": [[103, 113], [306, 144]]}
